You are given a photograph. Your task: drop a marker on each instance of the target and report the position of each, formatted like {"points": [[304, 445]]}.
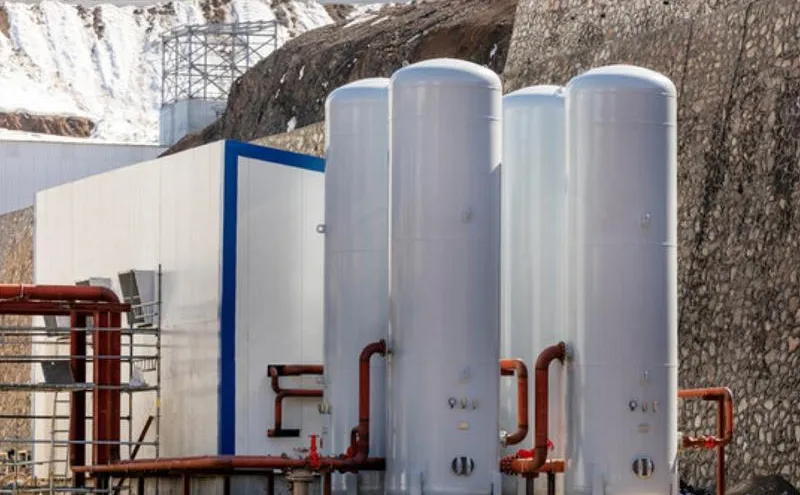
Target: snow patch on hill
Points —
{"points": [[104, 63]]}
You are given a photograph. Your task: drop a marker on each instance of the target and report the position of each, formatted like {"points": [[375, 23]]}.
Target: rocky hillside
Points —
{"points": [[16, 266], [288, 89], [736, 64]]}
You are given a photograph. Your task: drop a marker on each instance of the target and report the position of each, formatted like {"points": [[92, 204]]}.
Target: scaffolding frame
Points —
{"points": [[58, 337], [202, 61]]}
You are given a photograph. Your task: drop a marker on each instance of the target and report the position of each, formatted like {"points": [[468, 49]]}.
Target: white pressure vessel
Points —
{"points": [[622, 282], [356, 266], [533, 229], [445, 315]]}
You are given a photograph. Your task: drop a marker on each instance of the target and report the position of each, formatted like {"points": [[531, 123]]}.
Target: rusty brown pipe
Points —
{"points": [[106, 308], [26, 292], [361, 432], [210, 463], [531, 466], [724, 399], [360, 461], [517, 367], [276, 371]]}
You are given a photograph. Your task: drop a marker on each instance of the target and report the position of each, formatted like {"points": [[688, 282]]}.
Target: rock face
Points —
{"points": [[764, 485], [16, 266], [736, 65], [309, 140], [47, 124], [288, 89]]}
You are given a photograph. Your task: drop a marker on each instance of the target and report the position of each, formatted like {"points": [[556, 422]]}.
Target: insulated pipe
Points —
{"points": [[724, 399], [529, 467], [517, 367], [276, 371]]}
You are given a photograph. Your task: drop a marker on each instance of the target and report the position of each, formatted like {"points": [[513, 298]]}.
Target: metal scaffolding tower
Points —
{"points": [[203, 61], [44, 430]]}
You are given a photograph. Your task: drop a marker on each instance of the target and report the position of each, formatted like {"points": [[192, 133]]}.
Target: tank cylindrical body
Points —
{"points": [[622, 282], [533, 255], [444, 381], [356, 265]]}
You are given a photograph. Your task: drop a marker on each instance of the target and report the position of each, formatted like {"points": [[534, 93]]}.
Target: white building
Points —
{"points": [[234, 228], [30, 165]]}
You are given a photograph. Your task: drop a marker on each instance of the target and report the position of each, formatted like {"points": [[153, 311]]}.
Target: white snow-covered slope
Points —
{"points": [[105, 62]]}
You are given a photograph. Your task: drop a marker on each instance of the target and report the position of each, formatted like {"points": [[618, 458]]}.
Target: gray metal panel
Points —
{"points": [[27, 167]]}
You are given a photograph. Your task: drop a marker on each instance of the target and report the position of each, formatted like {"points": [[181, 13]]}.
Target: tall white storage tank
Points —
{"points": [[622, 282], [356, 264], [444, 373], [533, 219]]}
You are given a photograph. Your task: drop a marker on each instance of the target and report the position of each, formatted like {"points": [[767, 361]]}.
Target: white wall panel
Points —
{"points": [[30, 166], [165, 211], [191, 187], [178, 211], [279, 298]]}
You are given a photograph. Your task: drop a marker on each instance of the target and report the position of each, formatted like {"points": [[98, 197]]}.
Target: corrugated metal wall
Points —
{"points": [[30, 166]]}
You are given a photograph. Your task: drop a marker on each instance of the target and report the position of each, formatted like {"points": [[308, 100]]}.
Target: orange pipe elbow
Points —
{"points": [[517, 367]]}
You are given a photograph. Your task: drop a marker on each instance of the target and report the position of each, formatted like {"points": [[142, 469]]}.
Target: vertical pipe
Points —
{"points": [[115, 372], [720, 488], [100, 411], [77, 420]]}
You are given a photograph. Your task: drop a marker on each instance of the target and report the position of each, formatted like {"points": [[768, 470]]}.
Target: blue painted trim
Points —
{"points": [[226, 391], [226, 388], [274, 155]]}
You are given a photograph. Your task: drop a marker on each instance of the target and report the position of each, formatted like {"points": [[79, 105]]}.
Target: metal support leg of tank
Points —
{"points": [[226, 485], [327, 481], [551, 483], [271, 483], [300, 481], [140, 485], [187, 484], [351, 483], [598, 483], [528, 485]]}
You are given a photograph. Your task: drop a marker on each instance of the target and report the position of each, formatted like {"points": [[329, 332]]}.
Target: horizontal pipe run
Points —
{"points": [[203, 463], [25, 308], [276, 371], [517, 367]]}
